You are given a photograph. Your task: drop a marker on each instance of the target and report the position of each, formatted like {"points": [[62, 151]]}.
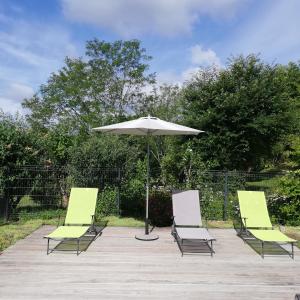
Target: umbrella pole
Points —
{"points": [[147, 188], [147, 236]]}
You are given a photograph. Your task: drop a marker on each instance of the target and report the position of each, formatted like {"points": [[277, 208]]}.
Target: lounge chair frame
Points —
{"points": [[87, 221], [193, 245], [92, 229], [246, 234]]}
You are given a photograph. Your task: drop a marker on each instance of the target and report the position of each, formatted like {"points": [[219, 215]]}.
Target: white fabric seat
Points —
{"points": [[194, 234]]}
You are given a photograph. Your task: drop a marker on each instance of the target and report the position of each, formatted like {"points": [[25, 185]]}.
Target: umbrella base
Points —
{"points": [[147, 237]]}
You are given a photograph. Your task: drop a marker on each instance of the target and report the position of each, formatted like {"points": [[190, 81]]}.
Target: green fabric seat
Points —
{"points": [[253, 209], [255, 219], [271, 235], [82, 205], [79, 217], [68, 232]]}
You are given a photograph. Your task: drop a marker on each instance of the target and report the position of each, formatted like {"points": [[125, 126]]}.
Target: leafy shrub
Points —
{"points": [[160, 208], [212, 204], [133, 195], [284, 206], [133, 192], [107, 202], [284, 210]]}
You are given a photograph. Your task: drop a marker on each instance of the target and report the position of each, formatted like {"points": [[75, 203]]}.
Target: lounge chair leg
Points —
{"points": [[292, 250], [181, 241], [77, 246], [48, 247], [262, 249], [211, 249]]}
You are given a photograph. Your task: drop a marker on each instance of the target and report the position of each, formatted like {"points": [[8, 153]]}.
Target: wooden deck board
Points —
{"points": [[117, 266]]}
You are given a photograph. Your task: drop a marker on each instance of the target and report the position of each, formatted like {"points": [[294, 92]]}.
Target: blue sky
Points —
{"points": [[36, 35]]}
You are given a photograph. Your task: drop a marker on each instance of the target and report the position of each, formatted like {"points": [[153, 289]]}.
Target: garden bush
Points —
{"points": [[160, 208], [107, 202], [133, 191], [284, 206], [212, 204]]}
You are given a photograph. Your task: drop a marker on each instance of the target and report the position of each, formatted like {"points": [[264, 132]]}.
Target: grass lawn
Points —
{"points": [[293, 232], [11, 233], [220, 224], [264, 184], [123, 221]]}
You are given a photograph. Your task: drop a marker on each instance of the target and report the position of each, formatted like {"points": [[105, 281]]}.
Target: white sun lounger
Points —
{"points": [[187, 227]]}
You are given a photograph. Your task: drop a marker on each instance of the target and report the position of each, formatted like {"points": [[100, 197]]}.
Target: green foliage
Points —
{"points": [[18, 148], [160, 208], [92, 91], [102, 150], [133, 192], [244, 110], [285, 204], [289, 185], [211, 203], [18, 144], [107, 202]]}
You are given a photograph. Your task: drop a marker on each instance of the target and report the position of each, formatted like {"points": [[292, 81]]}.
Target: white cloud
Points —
{"points": [[204, 57], [9, 106], [11, 97], [35, 44], [29, 52], [188, 73], [17, 91], [133, 17], [273, 32], [169, 77], [199, 58]]}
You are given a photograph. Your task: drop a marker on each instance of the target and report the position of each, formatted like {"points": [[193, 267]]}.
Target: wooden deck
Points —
{"points": [[117, 266]]}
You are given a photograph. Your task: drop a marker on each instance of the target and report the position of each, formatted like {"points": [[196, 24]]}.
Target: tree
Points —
{"points": [[90, 92], [244, 110], [286, 153], [18, 149]]}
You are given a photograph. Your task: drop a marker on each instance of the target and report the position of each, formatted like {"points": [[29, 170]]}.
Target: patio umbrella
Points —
{"points": [[148, 126]]}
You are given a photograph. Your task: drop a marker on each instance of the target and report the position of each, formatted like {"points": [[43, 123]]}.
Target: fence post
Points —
{"points": [[225, 195], [118, 191]]}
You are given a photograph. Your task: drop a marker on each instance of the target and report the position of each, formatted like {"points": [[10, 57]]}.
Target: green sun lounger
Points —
{"points": [[79, 219], [256, 222]]}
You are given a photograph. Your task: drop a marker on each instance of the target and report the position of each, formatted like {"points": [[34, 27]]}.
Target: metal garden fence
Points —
{"points": [[32, 189]]}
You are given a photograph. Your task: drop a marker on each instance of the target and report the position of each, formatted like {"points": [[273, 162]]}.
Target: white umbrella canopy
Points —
{"points": [[148, 126]]}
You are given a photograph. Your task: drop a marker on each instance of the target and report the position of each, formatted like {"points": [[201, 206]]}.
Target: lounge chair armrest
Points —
{"points": [[173, 225], [93, 217], [245, 221]]}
